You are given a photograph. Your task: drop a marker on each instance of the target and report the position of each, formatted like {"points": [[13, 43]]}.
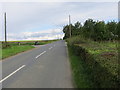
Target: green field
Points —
{"points": [[13, 47], [14, 50], [30, 42]]}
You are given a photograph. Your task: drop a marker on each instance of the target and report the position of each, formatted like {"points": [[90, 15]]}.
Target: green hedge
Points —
{"points": [[99, 75]]}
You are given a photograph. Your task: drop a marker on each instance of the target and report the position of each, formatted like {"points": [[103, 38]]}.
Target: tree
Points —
{"points": [[118, 30], [94, 30], [88, 28], [66, 31], [99, 30], [78, 28], [111, 28]]}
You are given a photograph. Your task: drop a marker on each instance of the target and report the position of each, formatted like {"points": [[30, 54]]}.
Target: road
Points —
{"points": [[43, 67]]}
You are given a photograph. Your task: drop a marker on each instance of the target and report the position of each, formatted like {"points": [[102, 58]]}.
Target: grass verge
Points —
{"points": [[14, 50], [80, 71], [14, 47]]}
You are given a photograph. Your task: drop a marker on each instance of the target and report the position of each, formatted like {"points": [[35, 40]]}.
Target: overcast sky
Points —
{"points": [[45, 20]]}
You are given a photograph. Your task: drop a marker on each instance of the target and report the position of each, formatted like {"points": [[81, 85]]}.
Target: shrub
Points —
{"points": [[99, 74]]}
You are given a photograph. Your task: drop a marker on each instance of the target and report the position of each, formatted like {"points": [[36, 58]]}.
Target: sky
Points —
{"points": [[45, 20]]}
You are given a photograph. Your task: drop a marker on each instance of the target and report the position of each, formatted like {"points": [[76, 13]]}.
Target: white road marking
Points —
{"points": [[40, 54], [50, 48], [12, 73]]}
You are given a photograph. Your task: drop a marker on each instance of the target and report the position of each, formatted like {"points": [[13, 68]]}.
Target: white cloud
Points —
{"points": [[44, 35], [40, 17]]}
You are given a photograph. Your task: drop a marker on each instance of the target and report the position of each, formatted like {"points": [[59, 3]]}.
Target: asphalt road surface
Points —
{"points": [[43, 67]]}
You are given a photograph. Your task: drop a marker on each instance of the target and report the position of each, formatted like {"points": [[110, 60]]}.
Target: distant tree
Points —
{"points": [[99, 32], [77, 28], [78, 25], [111, 28], [88, 28], [94, 30], [118, 30], [66, 31]]}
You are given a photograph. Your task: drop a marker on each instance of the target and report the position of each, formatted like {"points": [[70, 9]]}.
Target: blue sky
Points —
{"points": [[45, 20]]}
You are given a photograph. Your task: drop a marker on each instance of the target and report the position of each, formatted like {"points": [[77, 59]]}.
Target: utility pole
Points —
{"points": [[70, 25], [5, 29]]}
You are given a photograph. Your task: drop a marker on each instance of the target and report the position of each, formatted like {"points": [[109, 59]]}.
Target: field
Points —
{"points": [[14, 47], [32, 42], [14, 50]]}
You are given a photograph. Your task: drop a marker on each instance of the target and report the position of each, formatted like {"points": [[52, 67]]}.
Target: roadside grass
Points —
{"points": [[14, 50], [100, 62], [80, 71], [14, 47]]}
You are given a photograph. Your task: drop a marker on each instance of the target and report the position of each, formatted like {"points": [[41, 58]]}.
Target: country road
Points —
{"points": [[43, 67]]}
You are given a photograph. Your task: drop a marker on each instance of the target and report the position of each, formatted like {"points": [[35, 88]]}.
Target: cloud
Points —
{"points": [[44, 35], [39, 17]]}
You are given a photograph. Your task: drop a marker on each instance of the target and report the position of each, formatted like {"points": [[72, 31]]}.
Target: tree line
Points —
{"points": [[95, 30]]}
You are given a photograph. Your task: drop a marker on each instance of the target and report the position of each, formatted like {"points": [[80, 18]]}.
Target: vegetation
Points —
{"points": [[15, 43], [0, 50], [99, 61], [80, 72], [96, 31], [93, 50], [14, 47], [14, 50]]}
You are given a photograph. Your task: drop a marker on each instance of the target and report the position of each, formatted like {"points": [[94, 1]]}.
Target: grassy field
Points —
{"points": [[97, 60], [32, 42], [14, 50], [29, 41], [14, 47]]}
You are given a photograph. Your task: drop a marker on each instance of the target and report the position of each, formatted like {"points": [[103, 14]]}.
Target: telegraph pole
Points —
{"points": [[5, 29], [70, 25]]}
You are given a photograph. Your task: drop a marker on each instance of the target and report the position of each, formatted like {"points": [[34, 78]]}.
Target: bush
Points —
{"points": [[75, 40], [99, 74]]}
